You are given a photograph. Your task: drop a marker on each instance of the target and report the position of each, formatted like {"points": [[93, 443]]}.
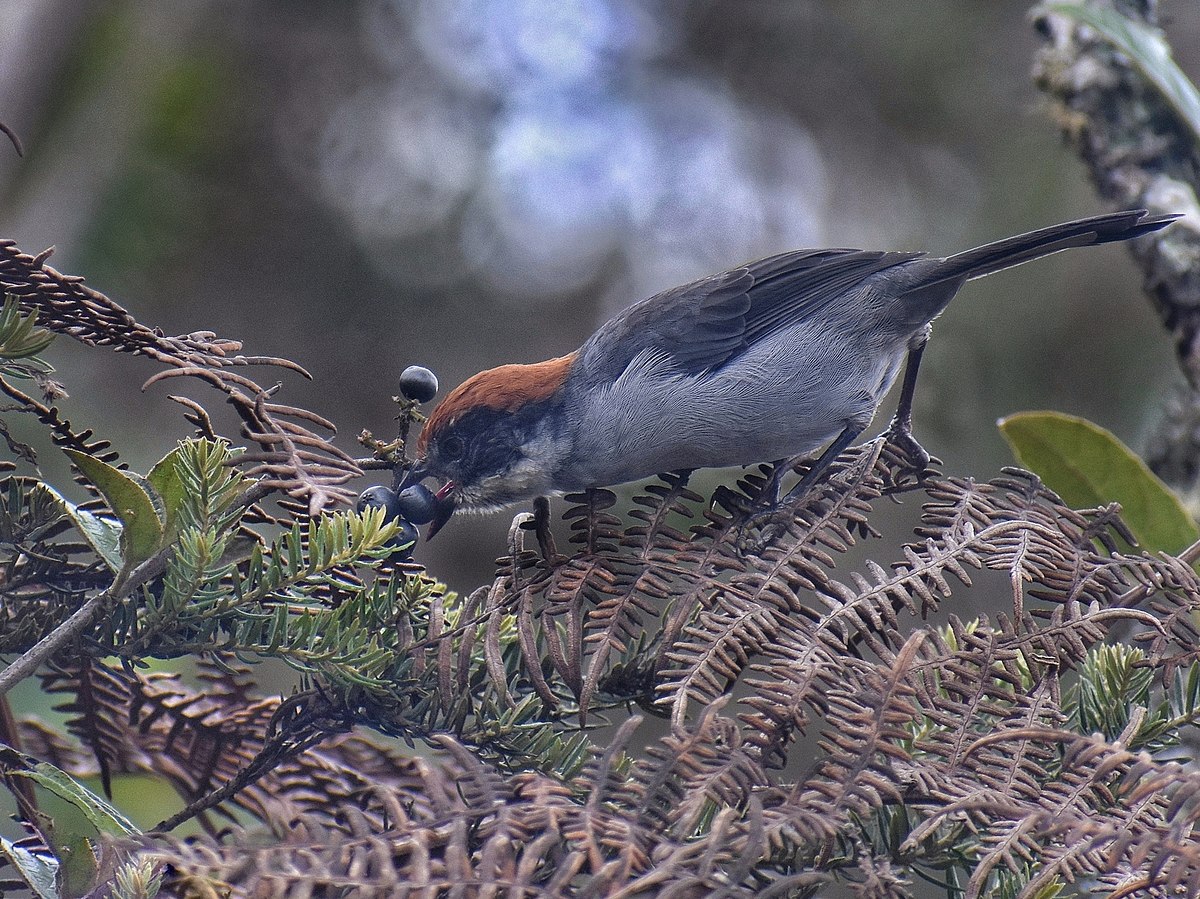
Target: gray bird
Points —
{"points": [[768, 361]]}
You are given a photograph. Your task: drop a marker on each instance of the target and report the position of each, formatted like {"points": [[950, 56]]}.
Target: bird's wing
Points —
{"points": [[700, 326], [792, 286]]}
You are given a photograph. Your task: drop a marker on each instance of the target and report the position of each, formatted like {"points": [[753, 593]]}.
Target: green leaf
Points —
{"points": [[40, 872], [1088, 466], [142, 531], [1147, 50], [101, 815], [102, 535], [1051, 890], [166, 480], [72, 847], [79, 862], [19, 339]]}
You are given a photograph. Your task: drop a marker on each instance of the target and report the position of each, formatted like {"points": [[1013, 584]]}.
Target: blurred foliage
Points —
{"points": [[185, 135]]}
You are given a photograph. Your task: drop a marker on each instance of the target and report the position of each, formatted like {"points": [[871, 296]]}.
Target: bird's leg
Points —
{"points": [[772, 520], [900, 430], [775, 510], [814, 474], [774, 516], [541, 528], [769, 496]]}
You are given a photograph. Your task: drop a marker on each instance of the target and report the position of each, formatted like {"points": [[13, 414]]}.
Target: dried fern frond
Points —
{"points": [[942, 754], [295, 456]]}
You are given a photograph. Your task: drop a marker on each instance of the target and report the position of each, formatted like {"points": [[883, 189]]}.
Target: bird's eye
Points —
{"points": [[452, 448]]}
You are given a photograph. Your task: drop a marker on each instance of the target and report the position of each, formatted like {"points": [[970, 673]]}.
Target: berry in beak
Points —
{"points": [[443, 501]]}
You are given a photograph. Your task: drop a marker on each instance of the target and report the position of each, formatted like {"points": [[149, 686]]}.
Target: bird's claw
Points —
{"points": [[763, 528], [900, 436], [770, 522]]}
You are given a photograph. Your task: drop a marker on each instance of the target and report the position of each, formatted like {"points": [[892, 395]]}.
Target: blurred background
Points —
{"points": [[360, 186]]}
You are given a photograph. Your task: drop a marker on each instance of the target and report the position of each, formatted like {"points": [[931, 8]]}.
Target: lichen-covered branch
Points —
{"points": [[1140, 150]]}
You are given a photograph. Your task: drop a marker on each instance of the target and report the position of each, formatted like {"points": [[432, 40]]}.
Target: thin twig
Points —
{"points": [[263, 763], [49, 645], [82, 618], [12, 136]]}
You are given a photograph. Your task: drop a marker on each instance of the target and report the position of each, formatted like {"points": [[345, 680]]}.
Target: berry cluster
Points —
{"points": [[415, 505]]}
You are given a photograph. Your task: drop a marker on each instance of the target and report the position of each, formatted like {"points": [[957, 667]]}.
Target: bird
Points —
{"points": [[766, 362]]}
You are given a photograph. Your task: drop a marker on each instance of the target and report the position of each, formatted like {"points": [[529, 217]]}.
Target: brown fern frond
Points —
{"points": [[45, 573], [1169, 589], [714, 651], [712, 767], [45, 742], [154, 723], [62, 433], [868, 717], [594, 603], [295, 457]]}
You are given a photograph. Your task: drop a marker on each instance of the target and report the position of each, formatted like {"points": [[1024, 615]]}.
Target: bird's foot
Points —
{"points": [[764, 527], [899, 434], [770, 518]]}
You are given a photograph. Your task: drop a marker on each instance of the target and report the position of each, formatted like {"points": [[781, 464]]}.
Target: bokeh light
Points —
{"points": [[547, 131]]}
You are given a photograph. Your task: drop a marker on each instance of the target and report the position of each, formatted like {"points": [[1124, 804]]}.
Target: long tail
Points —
{"points": [[1002, 254]]}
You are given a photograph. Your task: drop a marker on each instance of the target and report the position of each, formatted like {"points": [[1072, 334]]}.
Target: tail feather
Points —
{"points": [[1002, 254]]}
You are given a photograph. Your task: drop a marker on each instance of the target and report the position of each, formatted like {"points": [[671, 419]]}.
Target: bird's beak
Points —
{"points": [[444, 504], [444, 501]]}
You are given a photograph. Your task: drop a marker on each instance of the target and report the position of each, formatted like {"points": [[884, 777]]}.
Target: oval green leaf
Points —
{"points": [[1088, 466], [40, 872], [100, 814], [102, 534], [142, 531], [166, 480]]}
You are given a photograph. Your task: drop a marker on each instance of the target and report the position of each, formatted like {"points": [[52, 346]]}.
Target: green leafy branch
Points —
{"points": [[21, 341]]}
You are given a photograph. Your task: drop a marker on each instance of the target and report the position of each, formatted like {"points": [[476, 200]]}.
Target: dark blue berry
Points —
{"points": [[385, 498], [404, 541], [416, 503], [379, 497], [418, 383]]}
